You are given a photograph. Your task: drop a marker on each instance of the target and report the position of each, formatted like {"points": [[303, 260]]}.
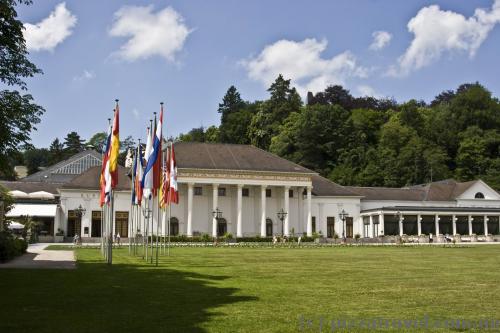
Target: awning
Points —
{"points": [[32, 210]]}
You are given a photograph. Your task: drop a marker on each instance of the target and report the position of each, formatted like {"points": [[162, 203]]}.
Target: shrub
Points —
{"points": [[11, 247]]}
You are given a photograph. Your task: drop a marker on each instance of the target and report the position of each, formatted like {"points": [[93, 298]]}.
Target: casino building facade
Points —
{"points": [[249, 187]]}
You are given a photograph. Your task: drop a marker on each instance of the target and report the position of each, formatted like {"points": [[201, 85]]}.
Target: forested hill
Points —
{"points": [[367, 141]]}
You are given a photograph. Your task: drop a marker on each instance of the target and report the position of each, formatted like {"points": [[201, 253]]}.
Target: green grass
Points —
{"points": [[253, 290]]}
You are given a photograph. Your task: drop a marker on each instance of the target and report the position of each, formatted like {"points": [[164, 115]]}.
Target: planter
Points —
{"points": [[440, 239], [489, 238], [458, 238], [231, 240], [423, 239], [58, 238], [473, 238], [320, 240]]}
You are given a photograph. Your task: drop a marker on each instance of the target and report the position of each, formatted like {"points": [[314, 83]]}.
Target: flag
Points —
{"points": [[147, 177], [153, 157], [105, 168], [115, 148], [138, 176], [165, 177], [173, 193], [134, 172], [157, 165]]}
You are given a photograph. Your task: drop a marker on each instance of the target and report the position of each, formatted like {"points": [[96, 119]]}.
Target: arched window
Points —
{"points": [[174, 226], [269, 227], [221, 227], [479, 195]]}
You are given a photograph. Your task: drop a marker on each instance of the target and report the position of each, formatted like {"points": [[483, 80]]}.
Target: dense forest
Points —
{"points": [[367, 141]]}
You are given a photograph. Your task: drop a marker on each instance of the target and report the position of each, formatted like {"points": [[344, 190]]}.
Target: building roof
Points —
{"points": [[89, 180], [30, 187], [66, 170], [444, 190], [325, 188], [218, 156]]}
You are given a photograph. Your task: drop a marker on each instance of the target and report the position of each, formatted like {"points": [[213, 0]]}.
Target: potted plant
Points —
{"points": [[473, 238], [457, 238], [489, 238], [228, 237], [59, 236], [357, 237], [423, 238], [335, 237]]}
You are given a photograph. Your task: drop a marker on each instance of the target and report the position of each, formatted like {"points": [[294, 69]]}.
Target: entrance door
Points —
{"points": [[96, 224], [330, 226], [221, 227], [349, 227], [74, 224], [269, 227], [121, 224]]}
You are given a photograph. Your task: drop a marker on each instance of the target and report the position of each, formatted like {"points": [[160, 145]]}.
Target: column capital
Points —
{"points": [[263, 186], [240, 185], [287, 187], [215, 185], [190, 184], [309, 188]]}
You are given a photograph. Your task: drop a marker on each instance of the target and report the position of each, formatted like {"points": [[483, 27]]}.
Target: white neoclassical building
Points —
{"points": [[248, 187]]}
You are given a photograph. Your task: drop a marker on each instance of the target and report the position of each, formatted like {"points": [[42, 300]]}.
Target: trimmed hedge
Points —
{"points": [[209, 239], [11, 247]]}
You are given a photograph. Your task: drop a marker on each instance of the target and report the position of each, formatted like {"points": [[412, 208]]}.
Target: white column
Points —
{"points": [[214, 206], [436, 221], [381, 223], [401, 218], [263, 211], [300, 209], [189, 230], [370, 232], [309, 213], [485, 225], [419, 224], [470, 224], [454, 224], [239, 227], [286, 200]]}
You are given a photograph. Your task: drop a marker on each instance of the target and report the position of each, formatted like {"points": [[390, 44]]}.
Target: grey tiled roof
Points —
{"points": [[90, 180], [29, 187], [445, 190], [219, 156], [327, 188], [66, 170]]}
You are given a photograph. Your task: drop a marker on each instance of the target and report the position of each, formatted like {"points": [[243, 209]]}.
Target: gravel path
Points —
{"points": [[38, 257]]}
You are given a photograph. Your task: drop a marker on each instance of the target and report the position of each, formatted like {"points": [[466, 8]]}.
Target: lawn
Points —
{"points": [[254, 290]]}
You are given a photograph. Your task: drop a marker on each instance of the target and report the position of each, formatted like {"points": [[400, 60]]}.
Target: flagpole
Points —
{"points": [[131, 216]]}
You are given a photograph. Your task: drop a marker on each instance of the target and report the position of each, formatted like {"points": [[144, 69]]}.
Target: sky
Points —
{"points": [[187, 53]]}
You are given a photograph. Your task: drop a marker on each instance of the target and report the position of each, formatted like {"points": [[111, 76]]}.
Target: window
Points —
{"points": [[290, 193], [479, 195], [222, 191], [121, 224], [313, 220], [221, 227], [268, 192], [245, 192], [198, 190]]}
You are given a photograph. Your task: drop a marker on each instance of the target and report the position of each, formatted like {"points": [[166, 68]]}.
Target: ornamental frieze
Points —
{"points": [[241, 175]]}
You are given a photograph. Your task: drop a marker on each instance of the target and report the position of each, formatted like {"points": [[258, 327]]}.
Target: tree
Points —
{"points": [[18, 113], [98, 141], [56, 152], [231, 102], [73, 144], [36, 158], [125, 145]]}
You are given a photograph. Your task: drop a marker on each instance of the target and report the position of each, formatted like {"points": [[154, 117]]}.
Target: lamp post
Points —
{"points": [[281, 216], [217, 214], [342, 215]]}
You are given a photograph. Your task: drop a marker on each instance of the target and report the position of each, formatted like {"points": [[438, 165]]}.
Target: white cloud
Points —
{"points": [[151, 34], [51, 31], [302, 63], [437, 31], [136, 113], [365, 90], [86, 75], [380, 40]]}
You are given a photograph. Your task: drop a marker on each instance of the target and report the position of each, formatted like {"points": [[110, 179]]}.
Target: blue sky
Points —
{"points": [[187, 53]]}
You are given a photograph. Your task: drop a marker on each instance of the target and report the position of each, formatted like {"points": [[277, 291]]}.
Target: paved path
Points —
{"points": [[38, 257]]}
